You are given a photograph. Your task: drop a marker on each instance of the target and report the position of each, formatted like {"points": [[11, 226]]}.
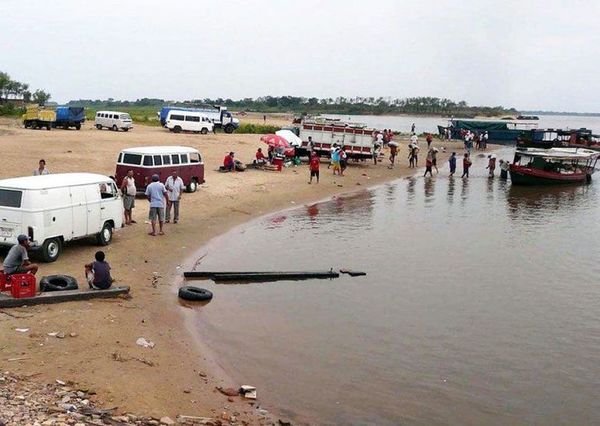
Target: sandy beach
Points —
{"points": [[177, 376]]}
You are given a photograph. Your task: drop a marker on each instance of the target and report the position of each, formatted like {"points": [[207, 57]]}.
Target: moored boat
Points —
{"points": [[535, 166], [503, 132]]}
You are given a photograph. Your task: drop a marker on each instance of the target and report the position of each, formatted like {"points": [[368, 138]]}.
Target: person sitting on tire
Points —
{"points": [[17, 260], [97, 273]]}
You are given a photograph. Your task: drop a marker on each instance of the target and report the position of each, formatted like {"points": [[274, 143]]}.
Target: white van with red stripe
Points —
{"points": [[357, 140]]}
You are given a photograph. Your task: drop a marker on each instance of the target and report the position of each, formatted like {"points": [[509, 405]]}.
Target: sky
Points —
{"points": [[522, 54]]}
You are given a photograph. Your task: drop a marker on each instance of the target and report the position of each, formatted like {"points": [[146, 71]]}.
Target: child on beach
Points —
{"points": [[428, 164], [491, 165], [393, 153], [97, 273], [314, 167]]}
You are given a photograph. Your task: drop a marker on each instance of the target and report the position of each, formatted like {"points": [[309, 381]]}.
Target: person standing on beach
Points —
{"points": [[343, 160], [414, 140], [466, 164], [504, 168], [428, 164], [429, 139], [315, 162], [264, 118], [393, 153], [485, 138], [412, 128], [452, 163], [156, 193], [311, 147], [434, 152], [491, 165], [128, 190], [335, 160], [175, 187], [41, 170]]}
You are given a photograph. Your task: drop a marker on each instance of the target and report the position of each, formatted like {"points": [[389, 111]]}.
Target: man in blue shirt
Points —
{"points": [[156, 193]]}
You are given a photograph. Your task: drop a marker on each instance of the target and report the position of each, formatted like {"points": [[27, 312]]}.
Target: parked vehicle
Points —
{"points": [[219, 115], [36, 117], [188, 121], [161, 160], [54, 209], [113, 120], [69, 117], [357, 139]]}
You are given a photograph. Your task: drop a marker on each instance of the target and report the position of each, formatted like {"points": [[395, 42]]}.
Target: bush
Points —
{"points": [[259, 129], [10, 109]]}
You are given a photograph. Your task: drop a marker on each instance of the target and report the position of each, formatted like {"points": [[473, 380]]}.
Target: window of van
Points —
{"points": [[194, 157], [175, 158], [107, 190], [166, 159], [125, 117], [10, 198], [115, 116], [184, 159], [192, 118], [177, 117], [148, 160], [135, 159], [98, 114], [157, 160]]}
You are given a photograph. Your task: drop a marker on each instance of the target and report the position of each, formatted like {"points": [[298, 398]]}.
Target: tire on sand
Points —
{"points": [[58, 283], [192, 293]]}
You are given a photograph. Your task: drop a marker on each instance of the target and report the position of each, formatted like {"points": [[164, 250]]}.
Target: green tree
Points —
{"points": [[40, 97]]}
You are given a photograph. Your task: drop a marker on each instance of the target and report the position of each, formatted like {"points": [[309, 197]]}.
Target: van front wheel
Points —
{"points": [[177, 129], [99, 126], [204, 130], [115, 128], [51, 249], [104, 237]]}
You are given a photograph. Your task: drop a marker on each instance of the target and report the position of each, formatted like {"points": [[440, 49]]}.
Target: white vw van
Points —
{"points": [[113, 120], [53, 209], [188, 121]]}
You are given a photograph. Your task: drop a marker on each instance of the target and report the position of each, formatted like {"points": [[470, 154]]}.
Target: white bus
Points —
{"points": [[113, 120], [188, 121]]}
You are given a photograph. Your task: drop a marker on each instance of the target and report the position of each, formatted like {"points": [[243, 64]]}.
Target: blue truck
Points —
{"points": [[217, 114], [69, 117]]}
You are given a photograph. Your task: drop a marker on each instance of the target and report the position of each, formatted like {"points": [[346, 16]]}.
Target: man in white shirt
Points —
{"points": [[414, 139], [175, 187], [128, 190], [41, 170]]}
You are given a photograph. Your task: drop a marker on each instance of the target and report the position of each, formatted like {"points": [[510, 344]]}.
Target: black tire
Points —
{"points": [[192, 293], [99, 126], [204, 130], [58, 283], [51, 249], [78, 126], [104, 237], [115, 128], [229, 128], [48, 126], [193, 186], [126, 129], [177, 129]]}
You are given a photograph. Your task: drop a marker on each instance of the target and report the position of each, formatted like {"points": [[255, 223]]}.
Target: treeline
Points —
{"points": [[339, 105], [13, 93]]}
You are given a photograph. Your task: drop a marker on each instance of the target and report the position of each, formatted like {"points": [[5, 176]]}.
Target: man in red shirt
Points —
{"points": [[228, 163], [315, 162], [260, 158]]}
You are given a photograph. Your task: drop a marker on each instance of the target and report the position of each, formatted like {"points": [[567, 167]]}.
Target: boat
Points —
{"points": [[569, 138], [539, 166], [503, 132]]}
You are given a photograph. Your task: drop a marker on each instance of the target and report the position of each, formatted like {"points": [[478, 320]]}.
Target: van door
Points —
{"points": [[79, 212], [92, 198], [108, 199]]}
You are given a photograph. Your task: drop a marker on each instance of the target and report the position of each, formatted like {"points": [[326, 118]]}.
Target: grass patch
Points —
{"points": [[258, 129]]}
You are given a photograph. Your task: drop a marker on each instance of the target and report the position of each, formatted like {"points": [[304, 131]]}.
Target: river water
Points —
{"points": [[480, 305], [403, 123]]}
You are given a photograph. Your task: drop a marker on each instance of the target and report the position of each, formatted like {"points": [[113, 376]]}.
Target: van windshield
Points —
{"points": [[125, 117], [10, 198], [135, 159]]}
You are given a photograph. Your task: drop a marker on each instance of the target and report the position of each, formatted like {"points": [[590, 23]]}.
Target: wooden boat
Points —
{"points": [[261, 275], [535, 166], [559, 138]]}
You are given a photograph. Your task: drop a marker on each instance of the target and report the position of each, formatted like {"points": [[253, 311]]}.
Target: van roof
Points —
{"points": [[111, 112], [165, 149], [53, 181], [191, 113]]}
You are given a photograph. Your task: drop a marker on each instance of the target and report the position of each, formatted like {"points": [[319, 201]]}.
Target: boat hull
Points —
{"points": [[520, 175]]}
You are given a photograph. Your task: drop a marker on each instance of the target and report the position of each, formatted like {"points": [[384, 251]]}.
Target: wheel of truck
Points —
{"points": [[204, 130], [193, 186], [48, 126], [66, 127], [51, 249], [58, 283], [126, 129], [78, 126], [229, 128], [104, 237], [177, 129], [99, 126], [115, 128]]}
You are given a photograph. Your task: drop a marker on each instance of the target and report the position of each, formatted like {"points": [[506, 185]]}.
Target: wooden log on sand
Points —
{"points": [[62, 296], [261, 275]]}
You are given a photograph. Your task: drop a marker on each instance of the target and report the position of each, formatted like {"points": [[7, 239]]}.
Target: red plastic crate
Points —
{"points": [[22, 285], [3, 284]]}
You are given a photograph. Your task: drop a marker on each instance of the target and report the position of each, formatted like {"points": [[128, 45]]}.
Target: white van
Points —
{"points": [[188, 121], [53, 209], [113, 120]]}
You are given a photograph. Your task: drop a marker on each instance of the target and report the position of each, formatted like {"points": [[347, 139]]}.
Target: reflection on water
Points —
{"points": [[479, 307]]}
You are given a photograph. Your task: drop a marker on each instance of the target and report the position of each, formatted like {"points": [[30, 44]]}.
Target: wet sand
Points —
{"points": [[182, 377]]}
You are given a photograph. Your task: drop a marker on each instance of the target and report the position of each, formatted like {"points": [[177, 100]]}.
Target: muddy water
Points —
{"points": [[480, 305]]}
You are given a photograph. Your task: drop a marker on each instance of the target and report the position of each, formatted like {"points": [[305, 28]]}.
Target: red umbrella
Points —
{"points": [[275, 141]]}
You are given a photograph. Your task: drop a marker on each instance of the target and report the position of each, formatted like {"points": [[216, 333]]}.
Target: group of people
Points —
{"points": [[480, 139], [163, 198]]}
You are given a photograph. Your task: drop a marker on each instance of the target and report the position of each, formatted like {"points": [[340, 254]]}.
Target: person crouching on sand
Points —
{"points": [[97, 273]]}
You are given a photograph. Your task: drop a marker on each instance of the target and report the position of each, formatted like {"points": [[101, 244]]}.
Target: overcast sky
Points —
{"points": [[526, 54]]}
